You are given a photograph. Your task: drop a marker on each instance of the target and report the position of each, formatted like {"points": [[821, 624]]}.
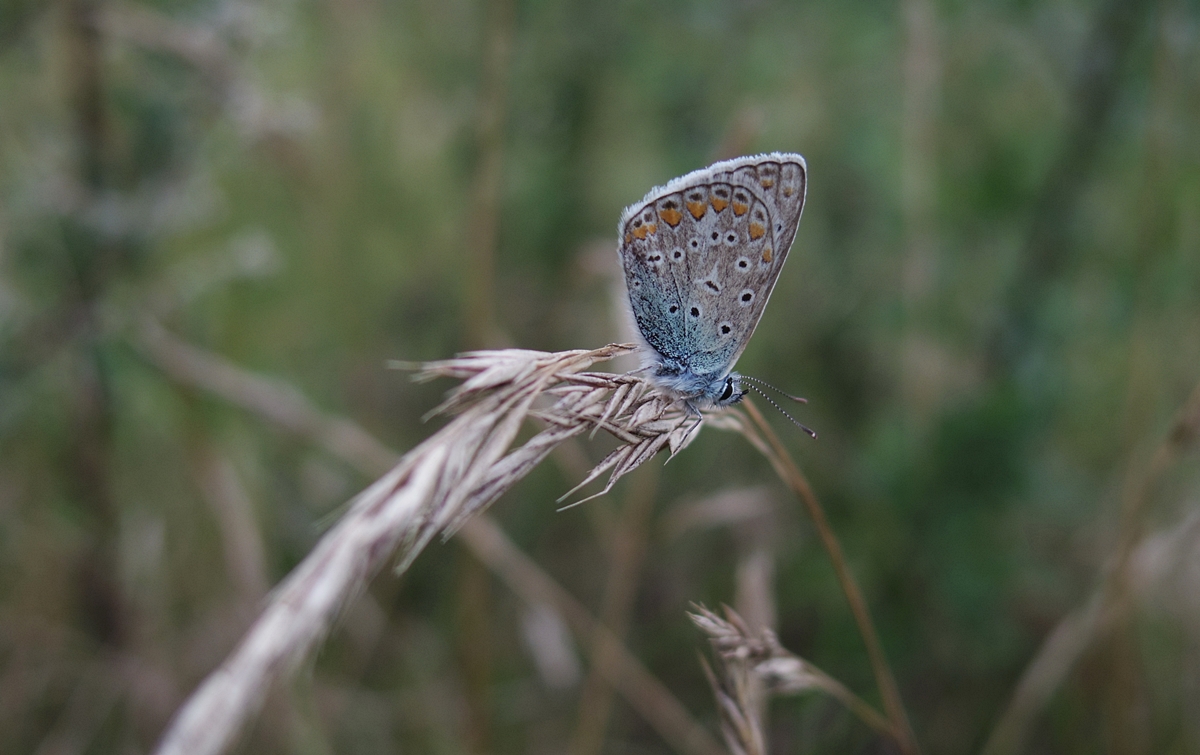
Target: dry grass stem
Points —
{"points": [[745, 656], [750, 515], [623, 671], [233, 510], [740, 727], [734, 685], [434, 488], [1132, 569], [751, 425]]}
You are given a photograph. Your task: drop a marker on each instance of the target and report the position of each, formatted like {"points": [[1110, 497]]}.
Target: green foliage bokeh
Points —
{"points": [[992, 305]]}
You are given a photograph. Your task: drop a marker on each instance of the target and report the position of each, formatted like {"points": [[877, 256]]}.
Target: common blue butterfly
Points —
{"points": [[701, 256]]}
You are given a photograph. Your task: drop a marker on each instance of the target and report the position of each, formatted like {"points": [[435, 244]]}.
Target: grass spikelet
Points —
{"points": [[434, 489], [740, 654]]}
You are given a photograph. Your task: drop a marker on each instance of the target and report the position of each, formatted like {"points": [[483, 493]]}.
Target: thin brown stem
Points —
{"points": [[858, 706], [787, 470]]}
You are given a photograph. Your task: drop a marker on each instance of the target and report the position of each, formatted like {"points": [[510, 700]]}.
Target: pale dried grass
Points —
{"points": [[744, 657], [434, 489]]}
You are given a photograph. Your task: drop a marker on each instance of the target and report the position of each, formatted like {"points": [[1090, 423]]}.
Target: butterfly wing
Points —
{"points": [[702, 255], [650, 279]]}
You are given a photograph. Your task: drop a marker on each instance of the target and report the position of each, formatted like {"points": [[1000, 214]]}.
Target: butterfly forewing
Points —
{"points": [[702, 254]]}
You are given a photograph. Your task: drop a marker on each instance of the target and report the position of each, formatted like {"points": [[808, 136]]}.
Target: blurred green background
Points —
{"points": [[992, 304]]}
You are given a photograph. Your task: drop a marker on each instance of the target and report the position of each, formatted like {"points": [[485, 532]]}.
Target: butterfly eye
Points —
{"points": [[725, 394]]}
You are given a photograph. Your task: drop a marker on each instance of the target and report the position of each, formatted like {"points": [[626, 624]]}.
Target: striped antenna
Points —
{"points": [[771, 401], [797, 399]]}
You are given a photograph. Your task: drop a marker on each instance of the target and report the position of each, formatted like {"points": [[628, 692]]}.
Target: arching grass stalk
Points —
{"points": [[433, 489], [751, 425]]}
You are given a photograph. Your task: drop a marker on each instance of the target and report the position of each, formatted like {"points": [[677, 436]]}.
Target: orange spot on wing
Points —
{"points": [[788, 191], [697, 209], [757, 231], [719, 204], [646, 230], [628, 237], [767, 183], [740, 209], [671, 216], [767, 254]]}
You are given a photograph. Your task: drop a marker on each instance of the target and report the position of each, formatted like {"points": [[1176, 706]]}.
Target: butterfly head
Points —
{"points": [[731, 391]]}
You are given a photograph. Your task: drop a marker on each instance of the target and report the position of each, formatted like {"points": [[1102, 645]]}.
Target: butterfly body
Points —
{"points": [[701, 256]]}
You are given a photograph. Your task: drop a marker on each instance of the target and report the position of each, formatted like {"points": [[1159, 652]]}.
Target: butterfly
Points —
{"points": [[701, 256]]}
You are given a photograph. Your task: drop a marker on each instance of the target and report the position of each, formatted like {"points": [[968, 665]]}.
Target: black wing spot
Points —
{"points": [[674, 308], [695, 312], [747, 297], [731, 237], [695, 244], [677, 254], [715, 235], [743, 263], [713, 285], [725, 328]]}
